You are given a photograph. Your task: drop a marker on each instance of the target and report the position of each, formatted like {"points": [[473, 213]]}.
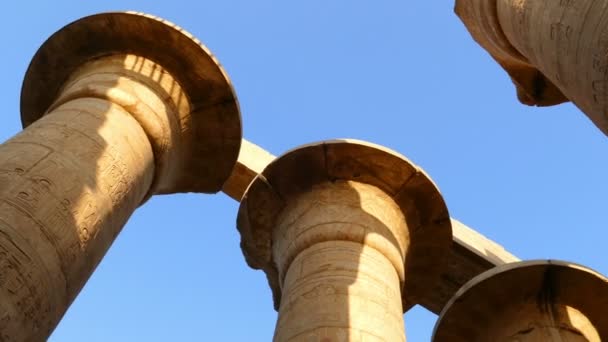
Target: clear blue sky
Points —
{"points": [[404, 74]]}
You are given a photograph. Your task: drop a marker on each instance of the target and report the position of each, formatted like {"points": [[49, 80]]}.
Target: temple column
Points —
{"points": [[115, 111], [544, 300], [347, 232], [554, 51]]}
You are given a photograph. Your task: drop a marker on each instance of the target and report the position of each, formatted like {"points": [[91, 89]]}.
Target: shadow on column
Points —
{"points": [[117, 107], [345, 231], [538, 300]]}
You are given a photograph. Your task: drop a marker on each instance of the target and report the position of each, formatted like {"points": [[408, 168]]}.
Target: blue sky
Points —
{"points": [[404, 74]]}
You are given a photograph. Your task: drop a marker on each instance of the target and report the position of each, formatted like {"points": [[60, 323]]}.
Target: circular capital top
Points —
{"points": [[298, 170], [215, 130], [542, 283]]}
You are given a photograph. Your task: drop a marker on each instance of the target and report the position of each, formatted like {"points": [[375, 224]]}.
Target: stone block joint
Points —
{"points": [[345, 231], [116, 107]]}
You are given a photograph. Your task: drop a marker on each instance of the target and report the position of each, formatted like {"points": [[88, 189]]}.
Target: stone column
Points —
{"points": [[347, 232], [117, 107], [544, 300], [554, 51]]}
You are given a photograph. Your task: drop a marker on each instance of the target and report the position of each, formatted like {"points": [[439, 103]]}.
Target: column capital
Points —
{"points": [[528, 299], [299, 170], [480, 17], [208, 132]]}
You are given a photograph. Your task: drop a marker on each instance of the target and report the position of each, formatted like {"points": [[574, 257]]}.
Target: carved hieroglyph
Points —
{"points": [[539, 300], [471, 253], [346, 231], [118, 107], [554, 51]]}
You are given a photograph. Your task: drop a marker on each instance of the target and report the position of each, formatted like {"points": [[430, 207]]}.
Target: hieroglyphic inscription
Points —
{"points": [[599, 91], [19, 161], [560, 31], [112, 171], [54, 192], [18, 277], [600, 62], [600, 72]]}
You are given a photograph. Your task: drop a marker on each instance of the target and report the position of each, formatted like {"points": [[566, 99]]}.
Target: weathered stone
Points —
{"points": [[117, 107], [543, 300], [554, 51], [471, 253], [345, 231]]}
